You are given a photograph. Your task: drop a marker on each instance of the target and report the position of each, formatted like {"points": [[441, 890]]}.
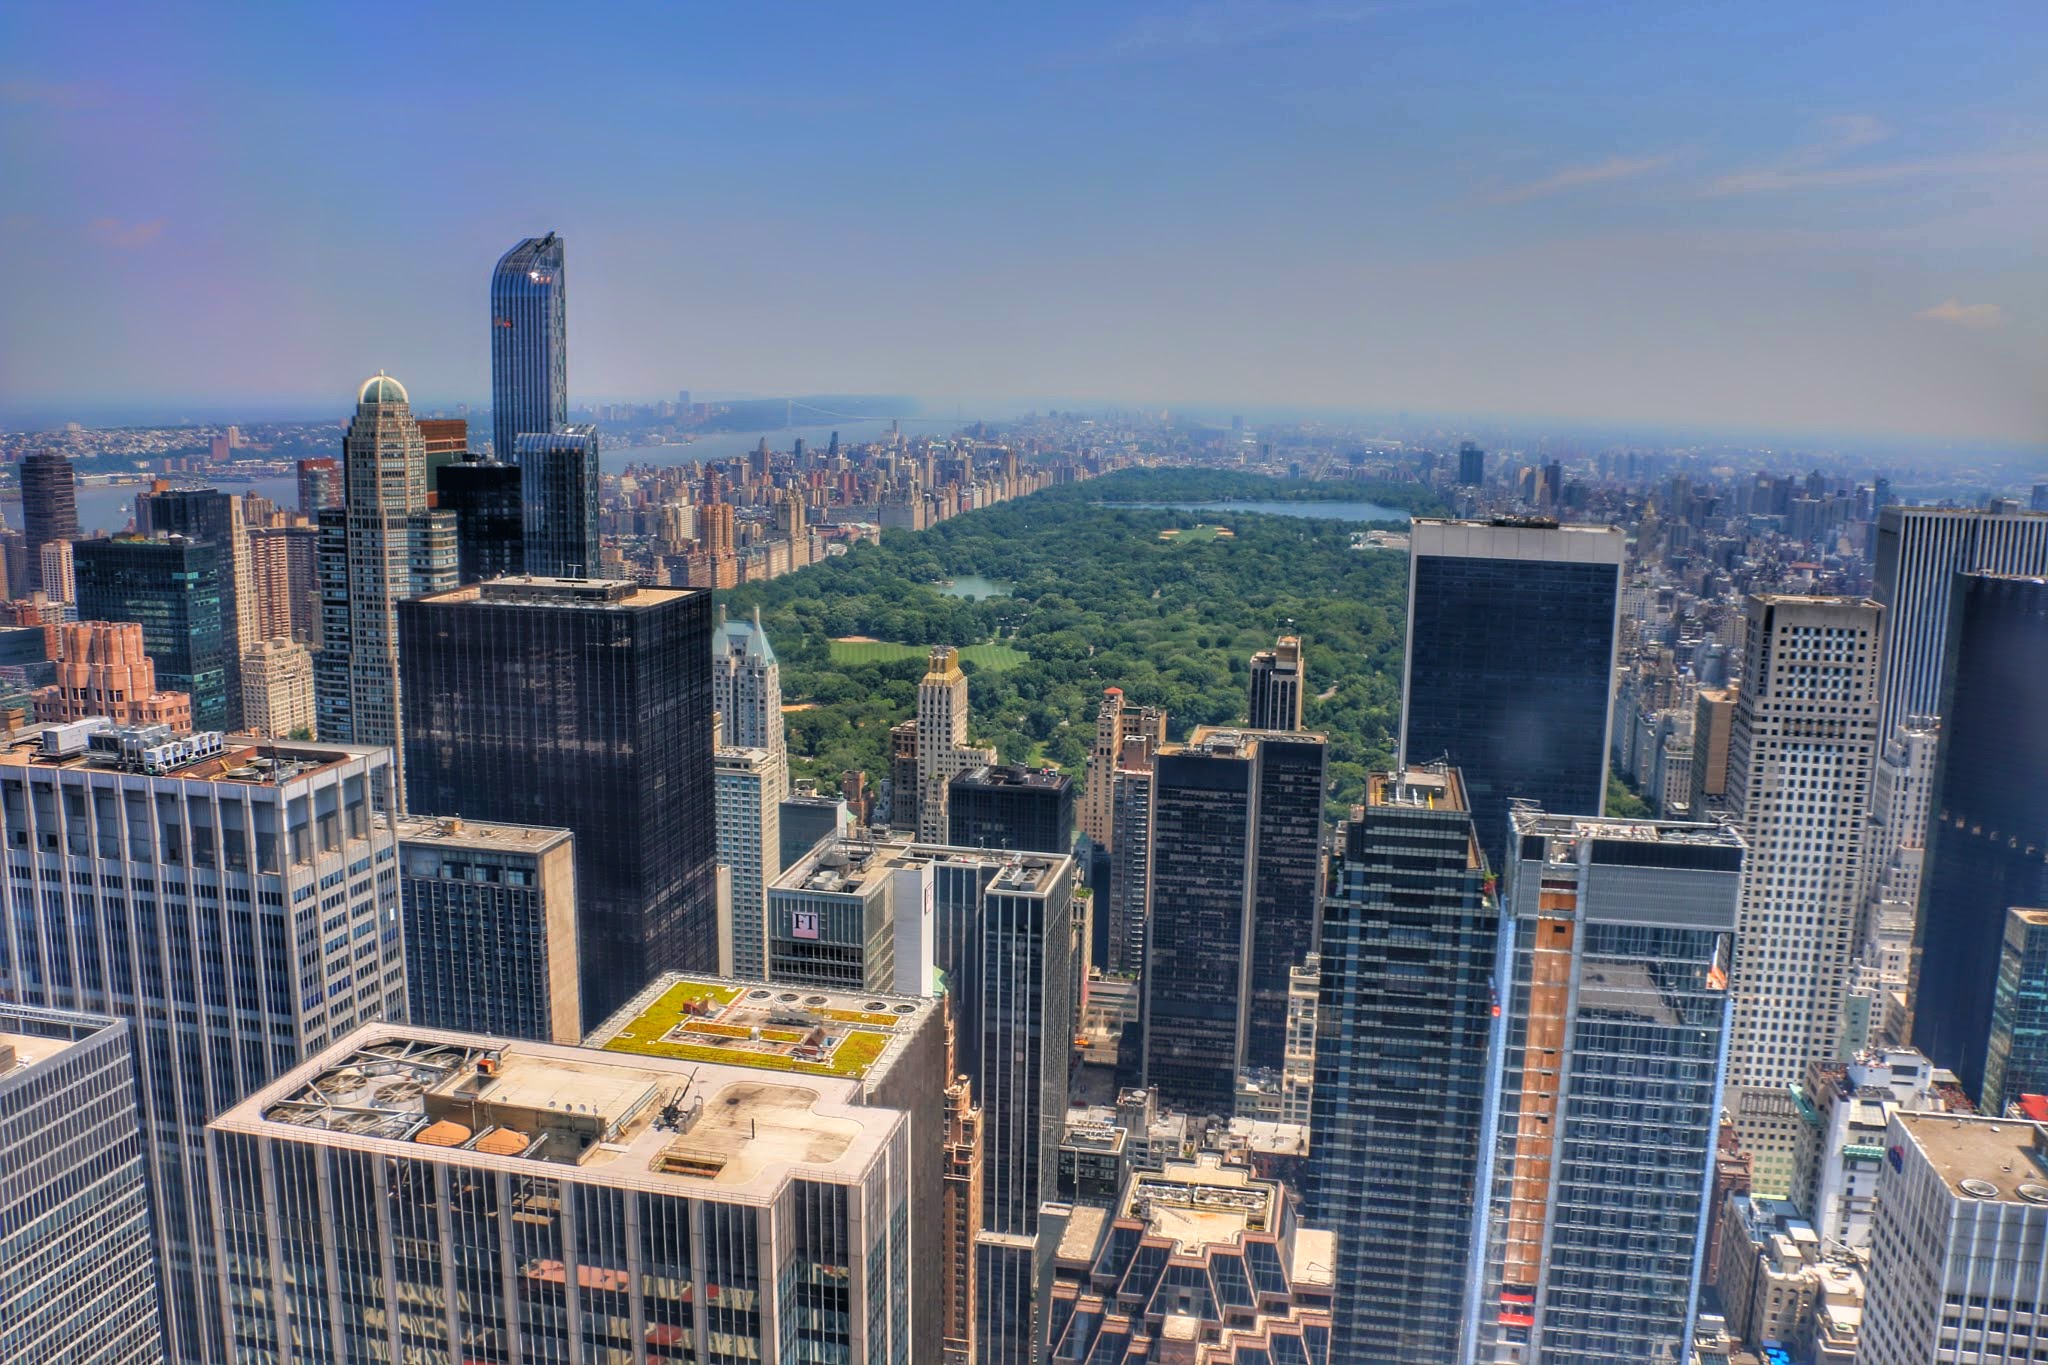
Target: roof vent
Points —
{"points": [[1978, 1189], [2034, 1194]]}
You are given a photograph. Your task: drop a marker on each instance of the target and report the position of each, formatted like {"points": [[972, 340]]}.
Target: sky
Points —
{"points": [[1803, 216]]}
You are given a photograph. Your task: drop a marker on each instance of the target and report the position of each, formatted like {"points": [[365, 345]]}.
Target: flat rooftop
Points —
{"points": [[18, 1050], [1576, 827], [203, 757], [453, 832], [1428, 786], [1201, 1203], [1013, 775], [2003, 1153], [763, 1026], [638, 1122], [1226, 738], [844, 866], [526, 590]]}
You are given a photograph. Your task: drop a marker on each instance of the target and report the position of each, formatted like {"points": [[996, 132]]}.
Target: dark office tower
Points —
{"points": [[49, 510], [2016, 1062], [1278, 681], [1236, 824], [1011, 807], [529, 345], [319, 486], [587, 706], [1920, 550], [1471, 464], [1613, 976], [173, 587], [558, 492], [1988, 816], [490, 528], [1511, 640], [212, 517], [1404, 1024]]}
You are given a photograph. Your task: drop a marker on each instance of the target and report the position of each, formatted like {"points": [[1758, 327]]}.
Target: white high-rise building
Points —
{"points": [[1897, 847], [238, 905], [60, 577], [1920, 550], [746, 686], [1800, 767], [1959, 1248], [750, 783], [277, 689], [942, 749], [1840, 1169]]}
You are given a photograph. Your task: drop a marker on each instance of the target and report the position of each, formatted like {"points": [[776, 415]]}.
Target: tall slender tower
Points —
{"points": [[1278, 680], [1510, 666], [1800, 764], [529, 345], [207, 514], [386, 545], [746, 685], [1115, 722], [558, 484], [942, 749], [49, 509]]}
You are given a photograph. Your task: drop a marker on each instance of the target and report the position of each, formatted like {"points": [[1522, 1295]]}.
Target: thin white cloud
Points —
{"points": [[1976, 316], [112, 232], [1580, 177], [1819, 165]]}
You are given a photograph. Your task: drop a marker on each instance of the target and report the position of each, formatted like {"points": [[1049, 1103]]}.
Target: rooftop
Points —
{"points": [[1201, 1203], [1014, 775], [1995, 1160], [845, 865], [1431, 786], [1576, 827], [761, 1026], [1227, 739], [454, 832], [204, 756], [527, 590], [18, 1050], [645, 1123]]}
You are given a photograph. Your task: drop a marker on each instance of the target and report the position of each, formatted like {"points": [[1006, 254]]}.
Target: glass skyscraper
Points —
{"points": [[1605, 1090], [558, 491], [490, 525], [1510, 662], [174, 588], [1988, 819], [1404, 1020], [49, 509], [209, 515], [585, 706], [529, 344]]}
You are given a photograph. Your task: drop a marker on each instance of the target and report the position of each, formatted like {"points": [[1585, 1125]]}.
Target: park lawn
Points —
{"points": [[990, 656]]}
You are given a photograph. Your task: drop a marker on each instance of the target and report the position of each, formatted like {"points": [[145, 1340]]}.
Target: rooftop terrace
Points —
{"points": [[762, 1026]]}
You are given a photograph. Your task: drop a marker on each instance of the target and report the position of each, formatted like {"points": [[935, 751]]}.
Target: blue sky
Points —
{"points": [[1811, 215]]}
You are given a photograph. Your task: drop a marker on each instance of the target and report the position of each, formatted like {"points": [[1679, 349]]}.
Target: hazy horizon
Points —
{"points": [[1709, 219]]}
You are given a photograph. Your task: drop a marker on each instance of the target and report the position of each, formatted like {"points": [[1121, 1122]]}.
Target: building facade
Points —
{"points": [[529, 344], [1279, 686], [585, 706], [1404, 1024], [558, 488], [942, 748], [103, 669], [238, 907], [490, 928], [1116, 723], [172, 587], [2016, 1061], [1800, 767], [1989, 815], [77, 1274], [49, 509], [746, 685], [490, 519], [1607, 1071], [277, 690], [1512, 630], [213, 518], [749, 787], [1011, 807], [285, 580]]}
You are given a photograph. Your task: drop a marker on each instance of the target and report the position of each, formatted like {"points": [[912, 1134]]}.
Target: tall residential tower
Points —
{"points": [[529, 345]]}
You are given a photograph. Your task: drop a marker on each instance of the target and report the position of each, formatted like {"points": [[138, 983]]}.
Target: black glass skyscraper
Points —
{"points": [[172, 586], [585, 706], [489, 523], [1404, 1023], [529, 345], [1011, 807], [49, 509], [558, 491], [209, 515], [1511, 640], [1987, 826]]}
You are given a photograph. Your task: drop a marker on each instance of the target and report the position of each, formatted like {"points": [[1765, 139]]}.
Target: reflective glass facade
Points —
{"points": [[1286, 876], [1511, 640], [558, 493], [1988, 825], [209, 515], [174, 589], [1404, 1021], [490, 527], [2017, 1060], [586, 707], [529, 344], [49, 510]]}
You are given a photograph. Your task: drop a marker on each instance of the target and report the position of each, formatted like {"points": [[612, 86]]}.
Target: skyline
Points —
{"points": [[1747, 219]]}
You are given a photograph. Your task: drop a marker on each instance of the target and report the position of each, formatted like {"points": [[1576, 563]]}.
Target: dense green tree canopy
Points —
{"points": [[1099, 600]]}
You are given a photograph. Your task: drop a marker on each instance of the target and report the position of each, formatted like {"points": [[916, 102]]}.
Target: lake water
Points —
{"points": [[725, 445], [974, 588], [1329, 511]]}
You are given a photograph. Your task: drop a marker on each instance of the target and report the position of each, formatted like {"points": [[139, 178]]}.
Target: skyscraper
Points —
{"points": [[529, 345], [1115, 722], [277, 690], [1279, 678], [587, 1205], [285, 578], [1510, 662], [1987, 840], [383, 546], [77, 1274], [229, 913], [942, 748], [584, 705], [1919, 552], [1800, 767], [749, 787], [49, 509], [1013, 807], [1236, 848], [319, 486], [558, 486], [746, 685], [172, 587], [2016, 1059], [213, 518], [104, 669], [1130, 862], [1471, 464], [1607, 1065], [1404, 1022], [490, 520], [490, 928]]}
